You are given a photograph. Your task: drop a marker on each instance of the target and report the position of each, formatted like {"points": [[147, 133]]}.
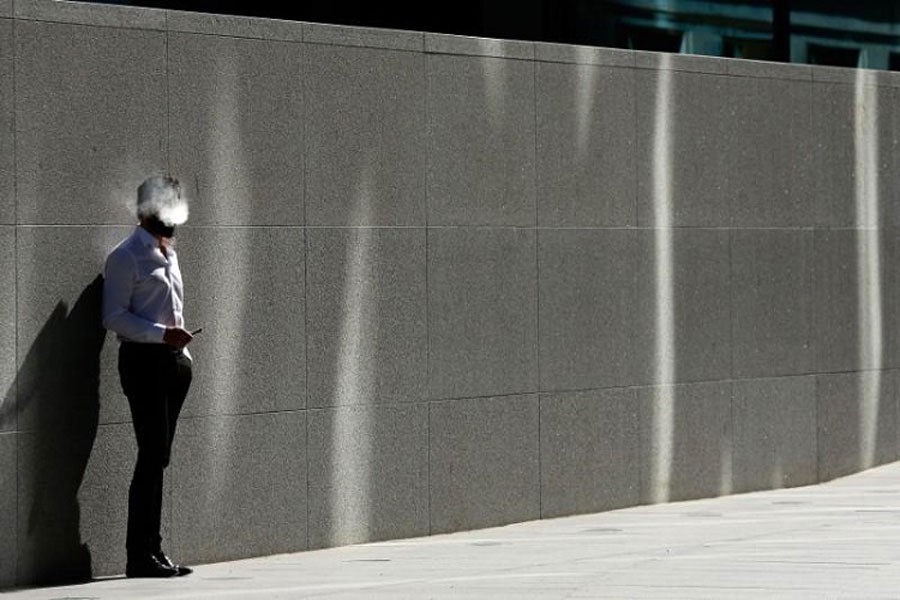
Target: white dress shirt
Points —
{"points": [[142, 289]]}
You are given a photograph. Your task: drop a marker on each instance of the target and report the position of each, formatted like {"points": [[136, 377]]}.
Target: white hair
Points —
{"points": [[160, 196]]}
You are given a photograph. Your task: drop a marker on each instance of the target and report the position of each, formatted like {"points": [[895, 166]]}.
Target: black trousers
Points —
{"points": [[156, 379]]}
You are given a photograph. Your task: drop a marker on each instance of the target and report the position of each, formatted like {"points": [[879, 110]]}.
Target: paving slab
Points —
{"points": [[833, 540]]}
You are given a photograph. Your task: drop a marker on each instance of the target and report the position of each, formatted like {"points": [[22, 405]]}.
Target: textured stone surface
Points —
{"points": [[890, 297], [484, 462], [585, 146], [8, 509], [103, 499], [836, 309], [244, 287], [67, 363], [774, 433], [853, 146], [589, 449], [685, 127], [238, 486], [6, 8], [834, 188], [880, 153], [587, 308], [884, 78], [234, 26], [72, 505], [890, 211], [340, 35], [855, 308], [7, 124], [773, 168], [8, 315], [686, 441], [90, 120], [857, 416], [481, 141], [772, 274], [365, 135], [482, 312], [368, 474], [236, 132], [367, 316], [694, 264]]}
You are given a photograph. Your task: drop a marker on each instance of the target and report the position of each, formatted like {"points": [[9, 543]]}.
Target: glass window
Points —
{"points": [[894, 64], [750, 49], [835, 57], [648, 38]]}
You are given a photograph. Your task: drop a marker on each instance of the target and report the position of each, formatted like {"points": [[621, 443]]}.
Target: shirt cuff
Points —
{"points": [[158, 332]]}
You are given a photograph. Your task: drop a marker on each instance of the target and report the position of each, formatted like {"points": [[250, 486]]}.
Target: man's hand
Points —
{"points": [[178, 337]]}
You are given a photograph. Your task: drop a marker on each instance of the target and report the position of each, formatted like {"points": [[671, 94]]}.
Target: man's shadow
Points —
{"points": [[57, 398]]}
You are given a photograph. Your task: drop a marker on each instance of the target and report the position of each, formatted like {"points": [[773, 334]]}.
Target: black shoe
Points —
{"points": [[148, 566], [180, 570]]}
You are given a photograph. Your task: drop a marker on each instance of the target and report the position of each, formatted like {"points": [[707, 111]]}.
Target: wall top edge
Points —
{"points": [[365, 37], [440, 43], [888, 79], [825, 74], [86, 13], [583, 55], [848, 76], [769, 70], [691, 63], [234, 26]]}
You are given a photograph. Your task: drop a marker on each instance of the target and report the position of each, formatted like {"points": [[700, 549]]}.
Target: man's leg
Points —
{"points": [[177, 391], [177, 385], [143, 495], [143, 372]]}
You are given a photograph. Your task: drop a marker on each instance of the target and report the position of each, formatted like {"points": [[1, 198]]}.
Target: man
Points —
{"points": [[143, 300]]}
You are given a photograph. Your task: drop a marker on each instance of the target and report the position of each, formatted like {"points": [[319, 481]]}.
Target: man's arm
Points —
{"points": [[118, 282]]}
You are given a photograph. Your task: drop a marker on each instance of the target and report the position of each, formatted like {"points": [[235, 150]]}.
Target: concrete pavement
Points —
{"points": [[836, 540]]}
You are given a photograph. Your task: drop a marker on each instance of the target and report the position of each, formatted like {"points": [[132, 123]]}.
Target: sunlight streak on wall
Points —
{"points": [[868, 262], [585, 96], [229, 170], [494, 73], [664, 400], [726, 472], [777, 480], [351, 436]]}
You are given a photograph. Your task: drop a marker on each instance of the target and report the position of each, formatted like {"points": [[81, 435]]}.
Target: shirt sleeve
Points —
{"points": [[118, 283]]}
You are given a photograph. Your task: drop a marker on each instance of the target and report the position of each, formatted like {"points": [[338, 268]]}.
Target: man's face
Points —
{"points": [[157, 227]]}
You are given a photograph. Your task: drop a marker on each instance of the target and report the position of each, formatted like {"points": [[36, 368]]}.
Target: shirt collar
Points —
{"points": [[147, 239]]}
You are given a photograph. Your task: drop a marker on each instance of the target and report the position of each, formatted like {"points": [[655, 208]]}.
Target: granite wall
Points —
{"points": [[445, 283]]}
